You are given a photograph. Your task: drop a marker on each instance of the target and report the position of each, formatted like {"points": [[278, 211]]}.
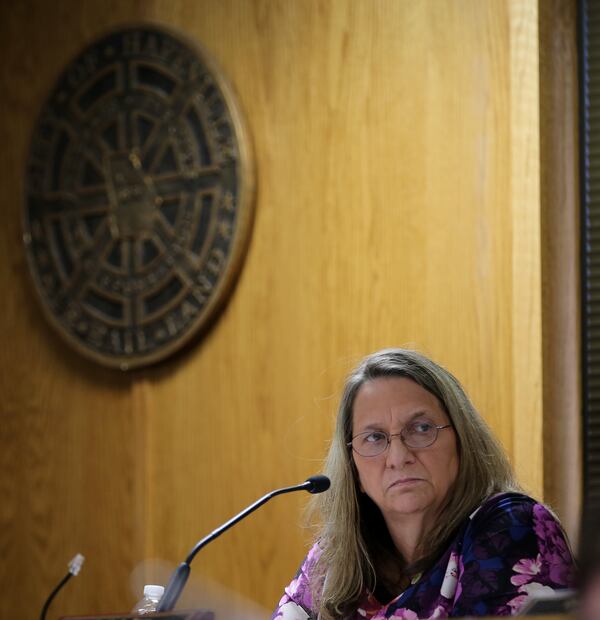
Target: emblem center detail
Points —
{"points": [[133, 197]]}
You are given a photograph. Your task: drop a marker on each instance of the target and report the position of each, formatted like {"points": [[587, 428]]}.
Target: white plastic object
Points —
{"points": [[150, 600], [154, 592], [75, 564]]}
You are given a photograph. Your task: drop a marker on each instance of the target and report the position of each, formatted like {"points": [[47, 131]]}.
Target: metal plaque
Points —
{"points": [[138, 196]]}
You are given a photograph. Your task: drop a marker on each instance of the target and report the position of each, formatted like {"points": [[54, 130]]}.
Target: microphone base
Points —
{"points": [[174, 588]]}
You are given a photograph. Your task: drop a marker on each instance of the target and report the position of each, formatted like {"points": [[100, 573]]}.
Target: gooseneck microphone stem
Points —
{"points": [[315, 484], [54, 592], [74, 567], [263, 500]]}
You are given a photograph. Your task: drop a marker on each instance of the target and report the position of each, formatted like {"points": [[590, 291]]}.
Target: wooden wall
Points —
{"points": [[398, 172]]}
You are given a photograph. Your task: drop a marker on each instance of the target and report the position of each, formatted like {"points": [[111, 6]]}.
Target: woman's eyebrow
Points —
{"points": [[377, 426], [419, 414], [374, 426]]}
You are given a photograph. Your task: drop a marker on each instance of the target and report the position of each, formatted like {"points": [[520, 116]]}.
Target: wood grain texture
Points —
{"points": [[387, 139], [560, 260], [526, 251], [69, 477]]}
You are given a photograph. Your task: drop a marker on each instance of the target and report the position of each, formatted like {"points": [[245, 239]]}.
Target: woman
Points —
{"points": [[425, 518]]}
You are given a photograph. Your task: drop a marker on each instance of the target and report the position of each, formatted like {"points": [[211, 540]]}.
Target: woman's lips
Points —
{"points": [[405, 482]]}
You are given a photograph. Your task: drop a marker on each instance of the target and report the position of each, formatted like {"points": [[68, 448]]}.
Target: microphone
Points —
{"points": [[314, 484]]}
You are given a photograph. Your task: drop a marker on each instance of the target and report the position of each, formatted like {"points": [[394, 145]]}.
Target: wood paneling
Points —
{"points": [[392, 144], [526, 257], [69, 472]]}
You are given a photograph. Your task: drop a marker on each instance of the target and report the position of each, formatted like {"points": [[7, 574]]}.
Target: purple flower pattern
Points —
{"points": [[509, 549], [552, 568]]}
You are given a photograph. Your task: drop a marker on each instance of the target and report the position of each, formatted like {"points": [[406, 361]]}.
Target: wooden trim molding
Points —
{"points": [[559, 207]]}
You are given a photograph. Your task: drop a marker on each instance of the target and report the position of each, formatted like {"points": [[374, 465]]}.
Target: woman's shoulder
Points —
{"points": [[512, 511], [503, 503], [522, 541]]}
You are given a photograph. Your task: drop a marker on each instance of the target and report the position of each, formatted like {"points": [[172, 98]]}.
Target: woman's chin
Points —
{"points": [[408, 504]]}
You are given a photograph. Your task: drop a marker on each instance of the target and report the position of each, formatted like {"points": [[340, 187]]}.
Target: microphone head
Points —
{"points": [[75, 564], [317, 484]]}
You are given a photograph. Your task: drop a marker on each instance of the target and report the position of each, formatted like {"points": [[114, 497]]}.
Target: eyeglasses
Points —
{"points": [[418, 434]]}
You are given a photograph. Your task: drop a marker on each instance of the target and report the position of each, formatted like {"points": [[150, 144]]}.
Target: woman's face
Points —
{"points": [[404, 481]]}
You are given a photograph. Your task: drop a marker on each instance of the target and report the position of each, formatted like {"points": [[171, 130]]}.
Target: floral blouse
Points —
{"points": [[508, 549]]}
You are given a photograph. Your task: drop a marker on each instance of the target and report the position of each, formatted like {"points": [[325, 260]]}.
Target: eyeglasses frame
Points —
{"points": [[390, 436]]}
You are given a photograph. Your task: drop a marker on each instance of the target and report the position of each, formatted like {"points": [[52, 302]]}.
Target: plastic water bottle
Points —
{"points": [[149, 602]]}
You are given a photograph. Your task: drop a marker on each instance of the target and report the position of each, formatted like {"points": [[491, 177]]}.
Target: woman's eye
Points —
{"points": [[375, 438], [420, 428]]}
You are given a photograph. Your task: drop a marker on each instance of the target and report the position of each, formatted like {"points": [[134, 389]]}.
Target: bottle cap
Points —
{"points": [[154, 591]]}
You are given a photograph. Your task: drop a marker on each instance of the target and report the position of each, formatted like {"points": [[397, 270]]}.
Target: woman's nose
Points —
{"points": [[398, 453]]}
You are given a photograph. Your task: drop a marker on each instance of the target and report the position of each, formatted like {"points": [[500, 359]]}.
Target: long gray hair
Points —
{"points": [[354, 539]]}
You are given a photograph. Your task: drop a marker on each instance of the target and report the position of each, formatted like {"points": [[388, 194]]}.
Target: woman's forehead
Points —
{"points": [[397, 399], [394, 390]]}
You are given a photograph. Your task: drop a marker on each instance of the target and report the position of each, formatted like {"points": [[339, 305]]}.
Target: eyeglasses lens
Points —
{"points": [[417, 435]]}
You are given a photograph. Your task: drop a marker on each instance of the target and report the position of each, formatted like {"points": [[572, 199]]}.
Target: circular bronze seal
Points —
{"points": [[138, 196]]}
